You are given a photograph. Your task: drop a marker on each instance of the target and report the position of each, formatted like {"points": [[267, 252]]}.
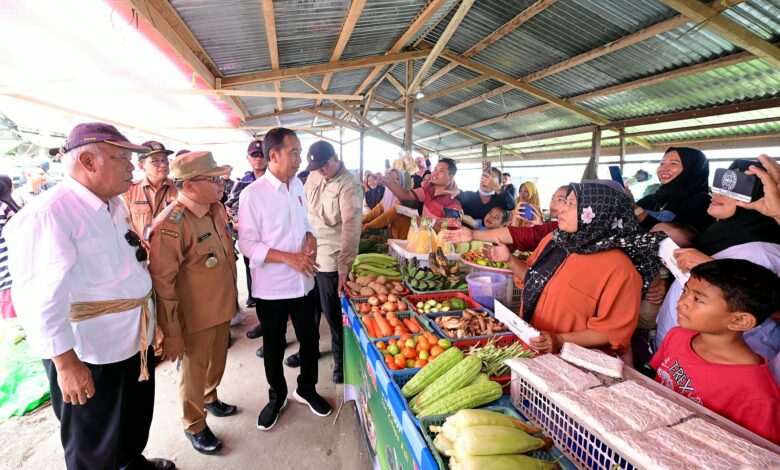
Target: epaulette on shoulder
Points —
{"points": [[176, 213]]}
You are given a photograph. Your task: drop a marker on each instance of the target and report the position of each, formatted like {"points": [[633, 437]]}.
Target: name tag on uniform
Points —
{"points": [[170, 233], [204, 237], [140, 202]]}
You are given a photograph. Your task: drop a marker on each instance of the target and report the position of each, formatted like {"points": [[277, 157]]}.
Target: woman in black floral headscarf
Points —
{"points": [[586, 279]]}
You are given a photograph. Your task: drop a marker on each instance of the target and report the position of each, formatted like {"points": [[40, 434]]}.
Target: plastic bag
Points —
{"points": [[24, 384]]}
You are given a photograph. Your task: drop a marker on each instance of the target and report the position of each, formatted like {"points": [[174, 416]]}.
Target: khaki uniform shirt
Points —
{"points": [[335, 212], [144, 203], [186, 239]]}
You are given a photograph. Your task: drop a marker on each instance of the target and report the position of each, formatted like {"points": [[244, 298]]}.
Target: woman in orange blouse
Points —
{"points": [[585, 280]]}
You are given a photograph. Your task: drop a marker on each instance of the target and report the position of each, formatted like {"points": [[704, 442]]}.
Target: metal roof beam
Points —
{"points": [[355, 10], [306, 70], [445, 36], [493, 37], [728, 29]]}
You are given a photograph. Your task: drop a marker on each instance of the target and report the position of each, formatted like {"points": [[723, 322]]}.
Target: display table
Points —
{"points": [[394, 441]]}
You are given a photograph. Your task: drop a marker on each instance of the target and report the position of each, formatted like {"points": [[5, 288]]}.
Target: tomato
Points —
{"points": [[400, 362], [405, 336], [394, 349], [389, 359], [402, 307], [380, 345], [436, 350], [445, 343], [418, 348], [424, 354], [364, 308], [382, 298], [409, 353], [392, 366], [390, 341], [411, 343], [423, 343], [410, 363], [420, 362]]}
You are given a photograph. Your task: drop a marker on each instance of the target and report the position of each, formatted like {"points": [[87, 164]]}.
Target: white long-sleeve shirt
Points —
{"points": [[274, 217], [69, 246]]}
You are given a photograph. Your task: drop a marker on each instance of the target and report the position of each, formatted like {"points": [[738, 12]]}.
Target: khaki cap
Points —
{"points": [[189, 165]]}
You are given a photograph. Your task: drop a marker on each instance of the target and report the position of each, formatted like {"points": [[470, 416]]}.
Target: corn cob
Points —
{"points": [[493, 440]]}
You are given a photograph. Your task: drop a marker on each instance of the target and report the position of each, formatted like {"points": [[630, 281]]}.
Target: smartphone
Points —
{"points": [[527, 212], [616, 174], [735, 184], [387, 164], [451, 213]]}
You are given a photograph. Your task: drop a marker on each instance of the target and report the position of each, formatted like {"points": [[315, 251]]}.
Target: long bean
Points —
{"points": [[493, 356]]}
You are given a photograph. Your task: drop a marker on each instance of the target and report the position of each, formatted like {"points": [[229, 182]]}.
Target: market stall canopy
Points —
{"points": [[495, 78]]}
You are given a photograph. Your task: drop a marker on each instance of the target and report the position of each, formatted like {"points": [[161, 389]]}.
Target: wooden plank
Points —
{"points": [[728, 29], [392, 80], [407, 36], [445, 36], [269, 19], [452, 89], [526, 88], [494, 37], [317, 69], [353, 15]]}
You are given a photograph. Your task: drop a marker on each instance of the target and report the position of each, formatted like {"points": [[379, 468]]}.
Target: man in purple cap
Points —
{"points": [[254, 155], [86, 302]]}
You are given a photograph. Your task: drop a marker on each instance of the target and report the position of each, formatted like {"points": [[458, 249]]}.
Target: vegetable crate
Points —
{"points": [[431, 317], [500, 341], [412, 300], [403, 375], [401, 316], [581, 445], [356, 302], [437, 420]]}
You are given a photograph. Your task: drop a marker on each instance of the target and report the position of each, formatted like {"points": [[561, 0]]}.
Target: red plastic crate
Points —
{"points": [[505, 340], [440, 297]]}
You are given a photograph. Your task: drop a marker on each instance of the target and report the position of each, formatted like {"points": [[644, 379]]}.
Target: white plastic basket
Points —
{"points": [[585, 447]]}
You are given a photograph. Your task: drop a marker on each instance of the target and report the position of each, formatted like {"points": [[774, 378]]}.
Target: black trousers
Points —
{"points": [[248, 278], [328, 288], [109, 431], [273, 315]]}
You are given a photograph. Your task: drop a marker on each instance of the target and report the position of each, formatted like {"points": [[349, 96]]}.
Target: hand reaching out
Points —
{"points": [[461, 235], [499, 253]]}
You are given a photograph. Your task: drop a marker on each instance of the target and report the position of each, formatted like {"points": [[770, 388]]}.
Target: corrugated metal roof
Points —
{"points": [[232, 33]]}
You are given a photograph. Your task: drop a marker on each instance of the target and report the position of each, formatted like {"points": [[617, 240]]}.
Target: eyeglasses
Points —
{"points": [[135, 241], [210, 179], [160, 162]]}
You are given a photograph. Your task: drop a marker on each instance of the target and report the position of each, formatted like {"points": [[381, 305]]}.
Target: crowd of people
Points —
{"points": [[128, 271]]}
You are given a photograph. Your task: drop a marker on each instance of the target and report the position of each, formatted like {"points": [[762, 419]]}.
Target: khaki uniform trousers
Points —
{"points": [[205, 354]]}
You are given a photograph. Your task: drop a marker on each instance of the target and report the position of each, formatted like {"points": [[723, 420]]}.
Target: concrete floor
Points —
{"points": [[299, 440]]}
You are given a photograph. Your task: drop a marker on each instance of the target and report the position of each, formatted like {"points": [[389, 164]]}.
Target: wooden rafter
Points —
{"points": [[318, 69], [163, 18], [269, 17], [495, 36], [728, 29], [355, 10], [408, 35], [392, 80], [355, 115], [445, 36]]}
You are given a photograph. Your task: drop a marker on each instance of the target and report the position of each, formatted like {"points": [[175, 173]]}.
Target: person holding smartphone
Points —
{"points": [[435, 196]]}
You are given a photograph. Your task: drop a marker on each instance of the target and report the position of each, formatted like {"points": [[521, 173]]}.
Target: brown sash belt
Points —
{"points": [[80, 311]]}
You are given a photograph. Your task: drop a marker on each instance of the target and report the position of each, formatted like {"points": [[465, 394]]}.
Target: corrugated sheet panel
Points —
{"points": [[747, 81], [553, 119], [511, 101], [752, 129], [307, 30], [257, 105], [232, 33], [762, 17], [387, 91], [460, 96]]}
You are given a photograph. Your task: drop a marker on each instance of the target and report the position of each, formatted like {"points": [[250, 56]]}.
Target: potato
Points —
{"points": [[381, 280], [371, 277], [363, 281], [354, 286], [367, 291]]}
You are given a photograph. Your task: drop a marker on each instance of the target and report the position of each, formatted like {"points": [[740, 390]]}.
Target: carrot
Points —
{"points": [[394, 322], [417, 324], [382, 326], [411, 326], [369, 324]]}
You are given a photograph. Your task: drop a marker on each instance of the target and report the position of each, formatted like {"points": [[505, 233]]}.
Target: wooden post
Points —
{"points": [[341, 142], [409, 108], [592, 168], [622, 148], [362, 135], [501, 157]]}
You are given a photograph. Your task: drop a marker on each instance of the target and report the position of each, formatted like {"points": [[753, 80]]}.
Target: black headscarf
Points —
{"points": [[605, 220], [374, 196], [744, 226], [693, 179], [6, 184]]}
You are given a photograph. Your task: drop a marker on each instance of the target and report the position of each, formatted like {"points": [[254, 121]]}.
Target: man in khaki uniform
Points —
{"points": [[193, 268], [148, 197], [334, 197]]}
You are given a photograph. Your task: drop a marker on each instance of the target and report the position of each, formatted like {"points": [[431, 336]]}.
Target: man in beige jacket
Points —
{"points": [[334, 198]]}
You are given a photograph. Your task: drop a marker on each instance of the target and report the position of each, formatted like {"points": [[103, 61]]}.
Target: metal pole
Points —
{"points": [[622, 149], [362, 135]]}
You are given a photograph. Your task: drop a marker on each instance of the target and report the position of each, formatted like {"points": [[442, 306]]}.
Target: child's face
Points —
{"points": [[493, 218], [703, 308]]}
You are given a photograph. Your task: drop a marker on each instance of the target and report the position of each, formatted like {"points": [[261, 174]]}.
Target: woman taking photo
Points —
{"points": [[684, 193], [740, 234], [374, 192], [526, 194], [585, 280]]}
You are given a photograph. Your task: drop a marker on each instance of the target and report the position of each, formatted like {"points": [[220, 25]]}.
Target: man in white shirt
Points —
{"points": [[83, 294], [276, 236]]}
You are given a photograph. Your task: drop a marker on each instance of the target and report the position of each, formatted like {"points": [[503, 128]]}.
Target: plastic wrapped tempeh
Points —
{"points": [[645, 451], [727, 443], [550, 374], [592, 359], [636, 415], [671, 412], [594, 415], [691, 450]]}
